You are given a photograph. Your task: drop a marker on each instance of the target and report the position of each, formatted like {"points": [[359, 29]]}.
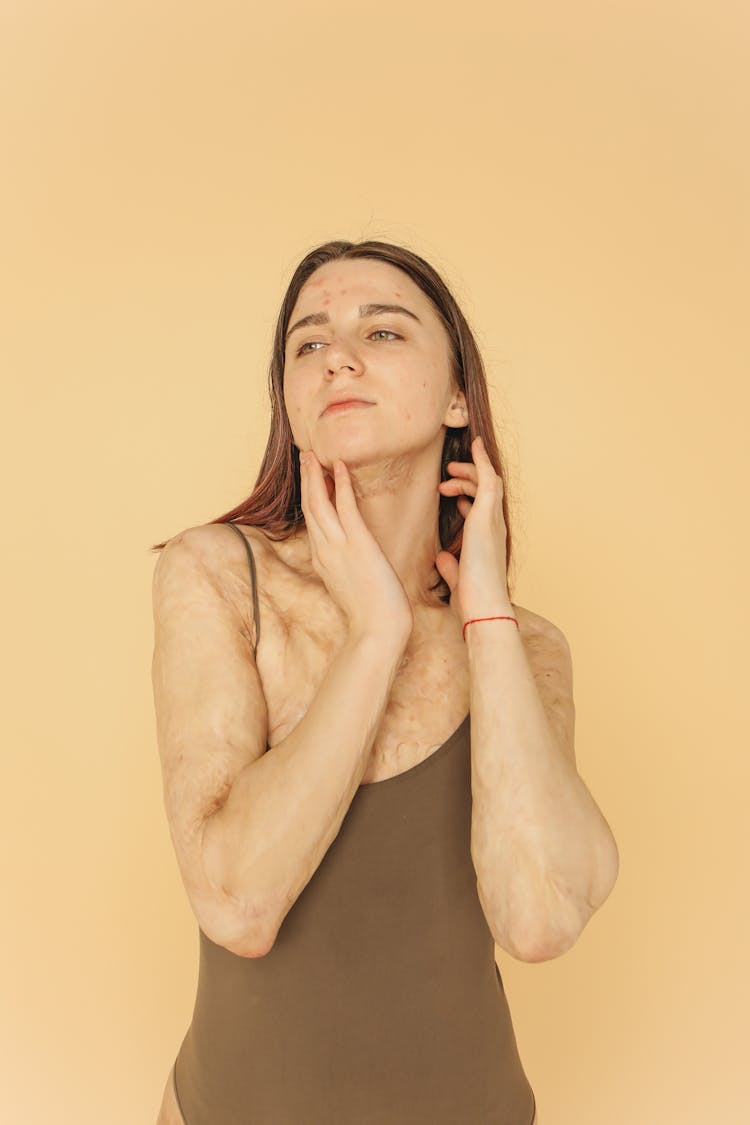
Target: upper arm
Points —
{"points": [[551, 663], [211, 715]]}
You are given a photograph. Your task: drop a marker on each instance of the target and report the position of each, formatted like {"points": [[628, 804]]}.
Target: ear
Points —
{"points": [[457, 414]]}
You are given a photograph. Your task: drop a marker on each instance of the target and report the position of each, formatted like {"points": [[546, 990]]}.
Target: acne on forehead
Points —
{"points": [[318, 283], [337, 286]]}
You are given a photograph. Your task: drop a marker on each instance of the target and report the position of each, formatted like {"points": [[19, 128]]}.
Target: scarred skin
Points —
{"points": [[392, 456]]}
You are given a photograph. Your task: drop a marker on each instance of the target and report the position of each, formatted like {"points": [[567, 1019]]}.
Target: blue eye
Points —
{"points": [[301, 351]]}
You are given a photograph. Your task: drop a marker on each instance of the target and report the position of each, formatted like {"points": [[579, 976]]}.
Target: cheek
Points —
{"points": [[295, 409], [294, 400], [420, 400]]}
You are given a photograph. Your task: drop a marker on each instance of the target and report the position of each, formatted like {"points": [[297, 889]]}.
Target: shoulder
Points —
{"points": [[534, 625], [215, 543], [213, 552], [209, 560], [545, 642]]}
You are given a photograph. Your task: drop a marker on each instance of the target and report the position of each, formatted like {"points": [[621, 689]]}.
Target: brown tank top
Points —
{"points": [[380, 1002]]}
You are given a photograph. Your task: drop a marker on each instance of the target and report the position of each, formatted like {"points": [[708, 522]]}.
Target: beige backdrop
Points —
{"points": [[579, 173]]}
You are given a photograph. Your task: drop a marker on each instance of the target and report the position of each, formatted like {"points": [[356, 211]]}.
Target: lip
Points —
{"points": [[346, 404]]}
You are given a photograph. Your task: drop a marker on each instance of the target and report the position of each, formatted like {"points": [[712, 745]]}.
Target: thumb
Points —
{"points": [[447, 567]]}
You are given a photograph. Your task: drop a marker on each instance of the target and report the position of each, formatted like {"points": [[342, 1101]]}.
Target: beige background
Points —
{"points": [[579, 173]]}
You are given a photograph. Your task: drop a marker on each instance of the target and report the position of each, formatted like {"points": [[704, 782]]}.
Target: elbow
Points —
{"points": [[547, 950], [252, 947], [554, 943], [544, 935], [257, 933], [244, 924], [528, 946], [242, 931], [247, 942], [533, 952]]}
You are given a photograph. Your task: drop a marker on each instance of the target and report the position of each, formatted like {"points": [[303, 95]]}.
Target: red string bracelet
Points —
{"points": [[503, 618]]}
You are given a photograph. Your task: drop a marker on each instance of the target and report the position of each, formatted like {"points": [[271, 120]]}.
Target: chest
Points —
{"points": [[303, 631]]}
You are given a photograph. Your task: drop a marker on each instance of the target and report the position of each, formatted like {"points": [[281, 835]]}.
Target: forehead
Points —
{"points": [[343, 283]]}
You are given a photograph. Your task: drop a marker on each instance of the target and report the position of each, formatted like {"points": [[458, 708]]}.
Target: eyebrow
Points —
{"points": [[364, 310]]}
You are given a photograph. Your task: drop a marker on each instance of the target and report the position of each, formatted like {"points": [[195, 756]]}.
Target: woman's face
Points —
{"points": [[397, 362]]}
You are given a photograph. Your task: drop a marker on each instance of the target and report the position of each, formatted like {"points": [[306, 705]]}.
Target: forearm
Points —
{"points": [[285, 809], [543, 853]]}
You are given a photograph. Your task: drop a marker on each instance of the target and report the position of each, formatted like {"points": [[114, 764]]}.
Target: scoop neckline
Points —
{"points": [[405, 775]]}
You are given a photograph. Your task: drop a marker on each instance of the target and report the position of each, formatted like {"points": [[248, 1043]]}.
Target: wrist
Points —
{"points": [[486, 626]]}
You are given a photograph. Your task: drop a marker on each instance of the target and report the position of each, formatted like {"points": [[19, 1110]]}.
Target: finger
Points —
{"points": [[308, 509], [470, 475], [480, 455], [485, 468], [463, 469], [458, 484], [346, 502], [320, 504]]}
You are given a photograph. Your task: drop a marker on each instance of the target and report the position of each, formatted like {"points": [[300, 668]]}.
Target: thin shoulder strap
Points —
{"points": [[254, 581]]}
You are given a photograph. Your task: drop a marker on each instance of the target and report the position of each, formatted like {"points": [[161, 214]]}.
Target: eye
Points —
{"points": [[301, 349]]}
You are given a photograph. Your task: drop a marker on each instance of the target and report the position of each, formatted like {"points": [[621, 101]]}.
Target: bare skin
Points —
{"points": [[392, 450], [301, 629]]}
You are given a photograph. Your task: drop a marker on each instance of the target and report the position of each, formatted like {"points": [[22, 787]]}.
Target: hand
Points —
{"points": [[478, 584], [347, 556]]}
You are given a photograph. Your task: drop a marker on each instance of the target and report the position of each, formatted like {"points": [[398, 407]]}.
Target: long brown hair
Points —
{"points": [[275, 505]]}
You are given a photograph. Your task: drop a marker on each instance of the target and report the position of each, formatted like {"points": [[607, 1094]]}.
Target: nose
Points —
{"points": [[339, 348]]}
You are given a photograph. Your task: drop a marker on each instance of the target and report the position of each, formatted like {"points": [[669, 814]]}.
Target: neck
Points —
{"points": [[399, 502]]}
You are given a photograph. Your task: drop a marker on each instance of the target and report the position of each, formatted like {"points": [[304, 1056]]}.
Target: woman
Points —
{"points": [[352, 846]]}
